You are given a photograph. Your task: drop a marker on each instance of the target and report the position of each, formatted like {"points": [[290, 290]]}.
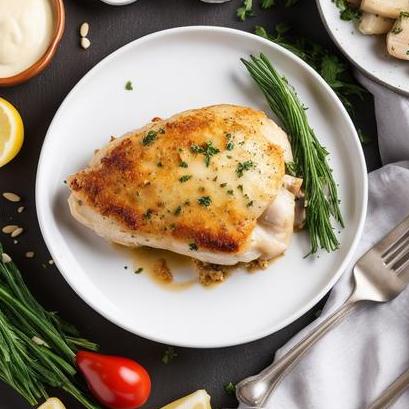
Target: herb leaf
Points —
{"points": [[266, 4], [184, 178], [204, 201], [346, 11], [129, 86], [149, 138], [244, 166], [230, 388], [207, 149], [246, 10]]}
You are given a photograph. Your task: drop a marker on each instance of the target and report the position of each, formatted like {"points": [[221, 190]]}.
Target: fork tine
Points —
{"points": [[387, 244], [397, 249], [401, 265]]}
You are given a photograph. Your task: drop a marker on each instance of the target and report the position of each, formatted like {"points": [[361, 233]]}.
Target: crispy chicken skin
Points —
{"points": [[197, 183]]}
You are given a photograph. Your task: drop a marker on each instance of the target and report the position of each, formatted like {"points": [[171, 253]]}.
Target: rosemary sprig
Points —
{"points": [[310, 158], [333, 68], [25, 365]]}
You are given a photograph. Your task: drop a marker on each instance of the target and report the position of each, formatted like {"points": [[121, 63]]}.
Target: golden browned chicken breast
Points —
{"points": [[208, 183]]}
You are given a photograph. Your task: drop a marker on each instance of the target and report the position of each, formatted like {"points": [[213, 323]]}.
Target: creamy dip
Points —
{"points": [[26, 29]]}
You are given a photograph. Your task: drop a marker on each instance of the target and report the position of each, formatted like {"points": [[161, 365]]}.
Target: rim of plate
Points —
{"points": [[39, 199], [354, 62]]}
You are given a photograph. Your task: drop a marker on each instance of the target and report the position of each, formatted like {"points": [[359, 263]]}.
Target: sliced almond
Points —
{"points": [[85, 43], [20, 209], [5, 258], [30, 254], [17, 232], [12, 197], [9, 228], [84, 29]]}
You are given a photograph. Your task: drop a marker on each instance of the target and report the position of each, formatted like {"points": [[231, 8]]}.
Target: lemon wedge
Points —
{"points": [[52, 403], [197, 400], [11, 132]]}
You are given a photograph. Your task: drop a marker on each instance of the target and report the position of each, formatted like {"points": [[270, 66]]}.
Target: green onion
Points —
{"points": [[29, 368], [310, 158]]}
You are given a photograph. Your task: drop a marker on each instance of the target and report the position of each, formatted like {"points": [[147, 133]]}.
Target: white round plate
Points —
{"points": [[172, 71], [118, 2], [367, 53]]}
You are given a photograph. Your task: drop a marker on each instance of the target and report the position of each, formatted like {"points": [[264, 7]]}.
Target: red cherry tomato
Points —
{"points": [[116, 382]]}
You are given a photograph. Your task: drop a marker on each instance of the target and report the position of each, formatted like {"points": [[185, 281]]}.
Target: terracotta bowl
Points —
{"points": [[42, 63]]}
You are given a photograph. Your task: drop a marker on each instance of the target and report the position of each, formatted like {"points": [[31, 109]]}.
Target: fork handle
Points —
{"points": [[392, 393], [253, 391]]}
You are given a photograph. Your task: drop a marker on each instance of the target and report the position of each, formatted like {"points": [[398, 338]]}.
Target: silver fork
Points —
{"points": [[379, 275], [392, 393]]}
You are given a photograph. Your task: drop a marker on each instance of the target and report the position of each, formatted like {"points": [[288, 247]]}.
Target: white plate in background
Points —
{"points": [[367, 53], [172, 71]]}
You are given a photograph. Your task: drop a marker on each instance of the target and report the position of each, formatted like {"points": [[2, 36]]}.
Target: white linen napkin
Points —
{"points": [[357, 360]]}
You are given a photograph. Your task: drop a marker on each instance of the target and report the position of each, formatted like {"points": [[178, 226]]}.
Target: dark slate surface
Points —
{"points": [[38, 100]]}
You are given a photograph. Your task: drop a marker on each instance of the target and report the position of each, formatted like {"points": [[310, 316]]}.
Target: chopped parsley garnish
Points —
{"points": [[183, 164], [230, 144], [223, 184], [290, 169], [148, 214], [204, 201], [184, 178], [249, 204], [230, 389], [169, 355], [149, 138], [207, 149], [240, 187], [244, 166], [193, 247], [230, 192], [139, 270], [159, 165], [177, 211], [129, 86], [346, 11]]}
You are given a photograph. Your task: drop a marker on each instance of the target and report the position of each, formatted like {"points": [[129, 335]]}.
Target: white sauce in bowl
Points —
{"points": [[26, 29]]}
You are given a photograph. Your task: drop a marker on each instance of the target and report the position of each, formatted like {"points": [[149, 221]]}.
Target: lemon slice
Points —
{"points": [[11, 132], [52, 403], [197, 400]]}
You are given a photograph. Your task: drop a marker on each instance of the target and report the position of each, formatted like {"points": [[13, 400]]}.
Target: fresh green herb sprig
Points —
{"points": [[37, 348], [247, 7], [333, 69], [245, 10], [310, 158]]}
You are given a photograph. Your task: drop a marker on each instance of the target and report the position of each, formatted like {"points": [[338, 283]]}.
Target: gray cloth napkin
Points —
{"points": [[357, 360]]}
